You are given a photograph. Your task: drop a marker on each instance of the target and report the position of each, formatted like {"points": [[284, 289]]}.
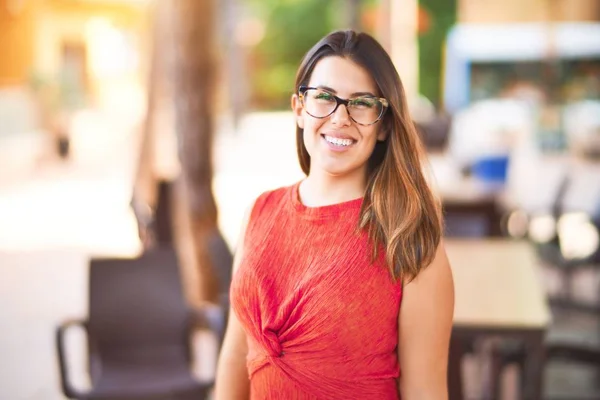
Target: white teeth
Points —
{"points": [[338, 141]]}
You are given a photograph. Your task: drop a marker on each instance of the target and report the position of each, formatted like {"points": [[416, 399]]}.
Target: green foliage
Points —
{"points": [[442, 14], [58, 93], [292, 28]]}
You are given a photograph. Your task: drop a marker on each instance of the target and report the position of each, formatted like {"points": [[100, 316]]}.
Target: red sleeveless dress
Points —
{"points": [[321, 319]]}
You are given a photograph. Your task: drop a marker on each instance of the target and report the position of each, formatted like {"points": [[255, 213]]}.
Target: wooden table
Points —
{"points": [[498, 291]]}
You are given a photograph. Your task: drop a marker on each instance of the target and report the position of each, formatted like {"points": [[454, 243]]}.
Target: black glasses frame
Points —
{"points": [[338, 100]]}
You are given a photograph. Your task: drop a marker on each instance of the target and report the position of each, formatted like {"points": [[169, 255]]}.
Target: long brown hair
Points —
{"points": [[399, 210]]}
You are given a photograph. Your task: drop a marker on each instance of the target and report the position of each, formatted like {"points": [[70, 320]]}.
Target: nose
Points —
{"points": [[341, 116]]}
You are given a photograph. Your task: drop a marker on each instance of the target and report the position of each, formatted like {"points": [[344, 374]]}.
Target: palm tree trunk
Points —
{"points": [[192, 75]]}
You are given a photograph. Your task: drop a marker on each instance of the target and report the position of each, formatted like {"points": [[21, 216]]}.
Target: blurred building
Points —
{"points": [[510, 11], [71, 53]]}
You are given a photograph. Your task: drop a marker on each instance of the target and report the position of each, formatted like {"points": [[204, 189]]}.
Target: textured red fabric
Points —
{"points": [[320, 317]]}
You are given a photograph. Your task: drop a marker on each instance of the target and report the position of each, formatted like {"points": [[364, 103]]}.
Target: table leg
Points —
{"points": [[455, 384], [534, 367]]}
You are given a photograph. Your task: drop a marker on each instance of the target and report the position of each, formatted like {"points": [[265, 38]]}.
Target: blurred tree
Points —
{"points": [[192, 75], [236, 84], [436, 17], [292, 28], [351, 14]]}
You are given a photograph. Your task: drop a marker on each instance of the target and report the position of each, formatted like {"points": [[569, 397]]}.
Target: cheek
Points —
{"points": [[371, 134], [311, 127]]}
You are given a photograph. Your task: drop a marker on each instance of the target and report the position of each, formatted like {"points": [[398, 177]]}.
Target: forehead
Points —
{"points": [[343, 75]]}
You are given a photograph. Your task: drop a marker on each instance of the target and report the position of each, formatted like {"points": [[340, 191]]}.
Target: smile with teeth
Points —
{"points": [[338, 141]]}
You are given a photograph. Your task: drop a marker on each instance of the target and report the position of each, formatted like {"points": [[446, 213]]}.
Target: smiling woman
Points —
{"points": [[341, 287]]}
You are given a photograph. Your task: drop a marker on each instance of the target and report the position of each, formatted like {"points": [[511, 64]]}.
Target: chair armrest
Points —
{"points": [[66, 385], [211, 317], [578, 352]]}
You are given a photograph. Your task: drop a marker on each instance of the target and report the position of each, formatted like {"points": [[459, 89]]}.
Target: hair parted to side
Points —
{"points": [[399, 211]]}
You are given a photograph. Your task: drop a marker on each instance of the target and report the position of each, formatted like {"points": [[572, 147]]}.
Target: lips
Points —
{"points": [[338, 135], [338, 139], [337, 144]]}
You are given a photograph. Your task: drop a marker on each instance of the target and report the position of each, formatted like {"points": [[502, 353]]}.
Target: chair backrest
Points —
{"points": [[137, 311], [163, 216], [477, 219], [222, 261], [220, 254]]}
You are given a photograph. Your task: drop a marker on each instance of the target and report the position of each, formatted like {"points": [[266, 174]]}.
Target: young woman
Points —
{"points": [[342, 288]]}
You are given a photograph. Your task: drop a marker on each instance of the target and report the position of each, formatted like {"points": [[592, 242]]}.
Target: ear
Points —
{"points": [[382, 134], [297, 109]]}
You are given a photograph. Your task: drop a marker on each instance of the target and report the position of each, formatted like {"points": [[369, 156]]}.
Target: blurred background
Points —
{"points": [[135, 133]]}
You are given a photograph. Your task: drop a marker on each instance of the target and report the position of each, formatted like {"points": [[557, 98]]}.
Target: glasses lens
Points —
{"points": [[365, 110], [319, 103]]}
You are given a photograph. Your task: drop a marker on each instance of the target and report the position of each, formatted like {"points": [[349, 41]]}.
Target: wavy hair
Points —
{"points": [[399, 211]]}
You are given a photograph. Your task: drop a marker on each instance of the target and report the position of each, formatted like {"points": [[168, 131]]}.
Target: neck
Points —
{"points": [[321, 189]]}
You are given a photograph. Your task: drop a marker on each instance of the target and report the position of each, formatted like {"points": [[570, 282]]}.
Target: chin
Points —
{"points": [[337, 169]]}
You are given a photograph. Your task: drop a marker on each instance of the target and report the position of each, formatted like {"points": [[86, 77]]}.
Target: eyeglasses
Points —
{"points": [[364, 110]]}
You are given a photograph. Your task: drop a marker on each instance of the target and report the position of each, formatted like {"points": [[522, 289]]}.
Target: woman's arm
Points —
{"points": [[424, 327], [232, 374], [232, 381]]}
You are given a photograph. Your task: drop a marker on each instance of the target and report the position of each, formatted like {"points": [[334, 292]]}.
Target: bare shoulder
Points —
{"points": [[432, 290], [424, 327], [438, 272]]}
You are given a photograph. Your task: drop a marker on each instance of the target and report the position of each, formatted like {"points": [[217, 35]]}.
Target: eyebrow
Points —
{"points": [[355, 94]]}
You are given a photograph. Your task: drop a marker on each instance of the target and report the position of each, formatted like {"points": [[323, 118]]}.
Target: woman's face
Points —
{"points": [[337, 145]]}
